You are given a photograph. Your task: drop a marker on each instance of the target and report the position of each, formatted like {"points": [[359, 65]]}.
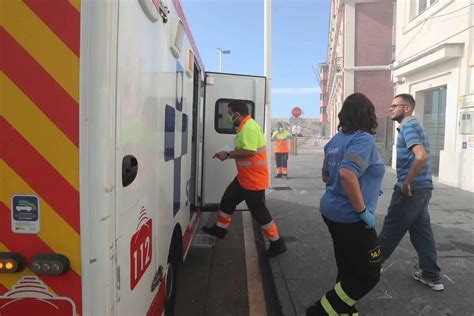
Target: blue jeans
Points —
{"points": [[410, 213]]}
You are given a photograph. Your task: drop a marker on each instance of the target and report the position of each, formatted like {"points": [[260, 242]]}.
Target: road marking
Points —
{"points": [[257, 305]]}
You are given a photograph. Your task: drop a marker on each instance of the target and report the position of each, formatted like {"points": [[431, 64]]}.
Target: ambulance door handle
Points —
{"points": [[157, 278], [129, 169]]}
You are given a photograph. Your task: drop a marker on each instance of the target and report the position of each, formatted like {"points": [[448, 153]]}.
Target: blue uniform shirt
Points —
{"points": [[410, 133], [356, 152]]}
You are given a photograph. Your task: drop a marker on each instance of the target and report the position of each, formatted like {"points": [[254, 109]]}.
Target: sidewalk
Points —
{"points": [[307, 270]]}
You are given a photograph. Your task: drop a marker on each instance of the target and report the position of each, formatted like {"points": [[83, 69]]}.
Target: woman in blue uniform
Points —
{"points": [[353, 173]]}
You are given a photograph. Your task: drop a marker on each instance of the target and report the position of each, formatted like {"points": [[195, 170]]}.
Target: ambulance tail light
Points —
{"points": [[11, 262], [50, 264]]}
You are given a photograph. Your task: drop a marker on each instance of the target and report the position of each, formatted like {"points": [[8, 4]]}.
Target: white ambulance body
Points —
{"points": [[113, 185]]}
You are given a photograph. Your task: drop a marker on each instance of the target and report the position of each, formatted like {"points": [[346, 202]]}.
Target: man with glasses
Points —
{"points": [[408, 210]]}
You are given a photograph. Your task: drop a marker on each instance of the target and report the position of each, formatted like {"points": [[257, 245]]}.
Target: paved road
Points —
{"points": [[307, 270], [213, 281]]}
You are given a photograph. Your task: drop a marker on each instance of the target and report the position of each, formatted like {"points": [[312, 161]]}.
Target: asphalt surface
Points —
{"points": [[308, 270], [213, 280]]}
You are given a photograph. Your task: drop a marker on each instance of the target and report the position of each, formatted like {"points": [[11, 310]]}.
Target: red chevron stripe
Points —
{"points": [[68, 284], [3, 289], [61, 17], [39, 174], [39, 86]]}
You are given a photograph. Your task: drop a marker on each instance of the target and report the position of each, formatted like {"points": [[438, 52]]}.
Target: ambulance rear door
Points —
{"points": [[219, 134]]}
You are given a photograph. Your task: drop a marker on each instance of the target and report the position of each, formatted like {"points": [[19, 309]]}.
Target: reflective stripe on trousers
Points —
{"points": [[270, 231], [223, 220]]}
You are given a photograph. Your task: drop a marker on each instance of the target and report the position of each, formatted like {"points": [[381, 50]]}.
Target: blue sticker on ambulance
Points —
{"points": [[25, 214]]}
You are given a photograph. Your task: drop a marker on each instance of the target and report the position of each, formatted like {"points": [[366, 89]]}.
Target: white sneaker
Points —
{"points": [[434, 285]]}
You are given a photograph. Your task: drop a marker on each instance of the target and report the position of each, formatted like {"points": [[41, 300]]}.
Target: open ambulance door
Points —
{"points": [[219, 134]]}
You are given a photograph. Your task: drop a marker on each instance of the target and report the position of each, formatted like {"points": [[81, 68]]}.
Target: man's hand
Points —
{"points": [[325, 179], [221, 155], [406, 189]]}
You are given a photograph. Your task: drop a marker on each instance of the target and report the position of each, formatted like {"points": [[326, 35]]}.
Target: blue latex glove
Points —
{"points": [[368, 218]]}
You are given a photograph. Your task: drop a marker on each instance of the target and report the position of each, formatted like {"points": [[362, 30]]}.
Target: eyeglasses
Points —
{"points": [[393, 106]]}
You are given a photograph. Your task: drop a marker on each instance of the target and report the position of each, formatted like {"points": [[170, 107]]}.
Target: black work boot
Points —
{"points": [[276, 247], [215, 231], [278, 176], [318, 310], [315, 310]]}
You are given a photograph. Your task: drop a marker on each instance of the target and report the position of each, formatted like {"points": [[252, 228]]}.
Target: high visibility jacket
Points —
{"points": [[252, 173], [281, 141]]}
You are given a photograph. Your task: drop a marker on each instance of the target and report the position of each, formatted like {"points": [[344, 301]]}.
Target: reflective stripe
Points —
{"points": [[224, 214], [268, 225], [270, 231], [245, 163], [248, 163], [343, 295], [222, 225], [262, 149], [354, 158], [327, 307], [223, 220]]}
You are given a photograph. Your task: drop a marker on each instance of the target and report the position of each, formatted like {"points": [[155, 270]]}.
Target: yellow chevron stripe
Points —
{"points": [[76, 4], [42, 43], [51, 143], [55, 231]]}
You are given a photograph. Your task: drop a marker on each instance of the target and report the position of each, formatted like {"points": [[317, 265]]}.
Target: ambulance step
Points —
{"points": [[204, 241]]}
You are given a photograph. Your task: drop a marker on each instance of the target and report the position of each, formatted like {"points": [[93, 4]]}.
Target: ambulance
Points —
{"points": [[108, 126]]}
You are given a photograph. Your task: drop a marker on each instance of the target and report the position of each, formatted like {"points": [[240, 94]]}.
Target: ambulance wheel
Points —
{"points": [[174, 261]]}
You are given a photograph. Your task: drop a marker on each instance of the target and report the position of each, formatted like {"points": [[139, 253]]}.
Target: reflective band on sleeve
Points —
{"points": [[327, 307], [343, 295], [359, 161]]}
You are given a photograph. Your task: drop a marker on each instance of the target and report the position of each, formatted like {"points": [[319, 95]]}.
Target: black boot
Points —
{"points": [[318, 310], [215, 231], [276, 247], [315, 310], [278, 176]]}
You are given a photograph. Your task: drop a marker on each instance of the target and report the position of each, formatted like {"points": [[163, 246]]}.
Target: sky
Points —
{"points": [[299, 43]]}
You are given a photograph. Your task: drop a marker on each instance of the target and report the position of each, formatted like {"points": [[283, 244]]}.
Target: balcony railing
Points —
{"points": [[335, 68]]}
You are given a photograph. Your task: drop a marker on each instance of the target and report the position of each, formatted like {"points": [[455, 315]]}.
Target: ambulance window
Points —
{"points": [[222, 123]]}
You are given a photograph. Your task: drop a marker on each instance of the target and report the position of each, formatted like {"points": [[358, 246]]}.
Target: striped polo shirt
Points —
{"points": [[410, 133]]}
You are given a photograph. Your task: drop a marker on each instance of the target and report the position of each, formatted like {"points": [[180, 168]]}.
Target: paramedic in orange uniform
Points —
{"points": [[281, 150], [250, 155]]}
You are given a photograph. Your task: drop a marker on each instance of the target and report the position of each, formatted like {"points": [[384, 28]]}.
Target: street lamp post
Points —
{"points": [[221, 52]]}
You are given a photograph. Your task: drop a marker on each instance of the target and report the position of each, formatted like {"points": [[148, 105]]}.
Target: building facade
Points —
{"points": [[323, 102], [434, 61], [360, 52]]}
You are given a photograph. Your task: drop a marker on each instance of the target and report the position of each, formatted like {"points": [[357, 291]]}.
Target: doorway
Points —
{"points": [[434, 117]]}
